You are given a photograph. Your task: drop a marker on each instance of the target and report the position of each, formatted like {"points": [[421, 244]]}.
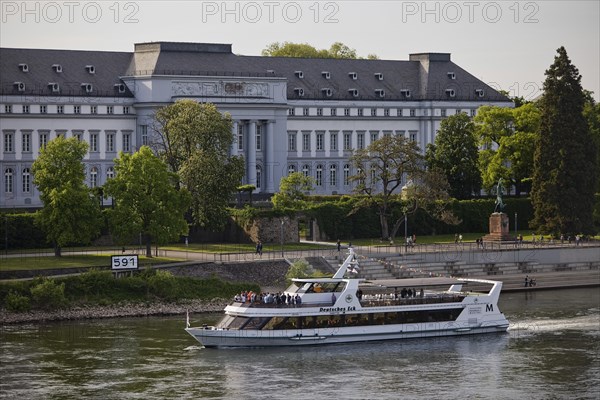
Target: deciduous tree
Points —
{"points": [[565, 166], [71, 214], [195, 140], [146, 201], [292, 189], [380, 170], [507, 139], [304, 50], [456, 155]]}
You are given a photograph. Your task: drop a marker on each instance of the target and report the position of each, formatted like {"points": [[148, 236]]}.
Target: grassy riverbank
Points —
{"points": [[100, 288]]}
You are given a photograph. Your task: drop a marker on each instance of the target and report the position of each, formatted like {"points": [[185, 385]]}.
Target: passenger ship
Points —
{"points": [[344, 309]]}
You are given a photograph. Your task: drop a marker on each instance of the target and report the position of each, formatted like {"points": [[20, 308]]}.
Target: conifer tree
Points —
{"points": [[565, 167]]}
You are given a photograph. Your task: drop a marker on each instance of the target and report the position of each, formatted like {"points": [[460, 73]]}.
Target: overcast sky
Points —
{"points": [[507, 44]]}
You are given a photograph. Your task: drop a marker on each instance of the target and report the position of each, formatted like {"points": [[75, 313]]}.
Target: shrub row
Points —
{"points": [[337, 219]]}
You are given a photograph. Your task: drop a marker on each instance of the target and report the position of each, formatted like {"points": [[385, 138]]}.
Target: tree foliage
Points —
{"points": [[304, 50], [382, 167], [71, 214], [455, 154], [195, 141], [146, 201], [507, 139], [565, 165], [292, 189]]}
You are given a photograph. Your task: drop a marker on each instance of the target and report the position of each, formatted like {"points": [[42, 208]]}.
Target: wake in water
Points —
{"points": [[587, 324]]}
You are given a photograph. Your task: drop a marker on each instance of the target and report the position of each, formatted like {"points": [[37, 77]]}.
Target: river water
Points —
{"points": [[550, 352]]}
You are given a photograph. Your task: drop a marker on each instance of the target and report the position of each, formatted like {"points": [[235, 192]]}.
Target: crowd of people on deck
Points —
{"points": [[268, 298], [408, 293]]}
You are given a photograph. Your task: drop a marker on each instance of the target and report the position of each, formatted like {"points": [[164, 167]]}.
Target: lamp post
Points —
{"points": [[405, 233], [516, 234]]}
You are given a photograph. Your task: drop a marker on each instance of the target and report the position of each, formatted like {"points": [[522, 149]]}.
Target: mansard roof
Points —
{"points": [[425, 76], [70, 69]]}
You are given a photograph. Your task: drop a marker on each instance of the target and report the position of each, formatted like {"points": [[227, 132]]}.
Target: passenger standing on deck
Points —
{"points": [[526, 280], [333, 298]]}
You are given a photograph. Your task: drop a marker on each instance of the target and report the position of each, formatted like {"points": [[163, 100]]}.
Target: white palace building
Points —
{"points": [[290, 114]]}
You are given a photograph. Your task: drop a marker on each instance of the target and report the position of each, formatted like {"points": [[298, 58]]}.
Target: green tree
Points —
{"points": [[380, 170], [507, 139], [591, 112], [455, 154], [565, 165], [71, 214], [304, 50], [146, 201], [195, 140], [292, 189]]}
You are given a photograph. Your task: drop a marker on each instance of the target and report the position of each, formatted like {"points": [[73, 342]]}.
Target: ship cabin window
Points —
{"points": [[326, 287]]}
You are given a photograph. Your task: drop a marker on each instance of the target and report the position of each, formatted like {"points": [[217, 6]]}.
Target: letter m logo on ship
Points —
{"points": [[489, 307]]}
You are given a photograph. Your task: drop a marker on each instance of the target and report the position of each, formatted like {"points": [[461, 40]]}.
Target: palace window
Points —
{"points": [[93, 177], [9, 142], [258, 137], [360, 139], [43, 140], [333, 136], [93, 142], [26, 180], [292, 141], [319, 175], [26, 142], [347, 141], [110, 142], [333, 175], [240, 137], [126, 142], [8, 180], [346, 174], [306, 142], [43, 109], [320, 140]]}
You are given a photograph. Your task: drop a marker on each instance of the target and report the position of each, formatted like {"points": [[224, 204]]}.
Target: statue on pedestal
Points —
{"points": [[499, 192]]}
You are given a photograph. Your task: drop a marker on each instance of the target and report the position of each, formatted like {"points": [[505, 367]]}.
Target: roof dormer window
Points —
{"points": [[479, 92], [20, 86], [405, 92], [326, 74], [451, 92], [57, 68], [299, 91], [327, 92], [379, 76], [90, 69], [353, 92], [88, 87], [24, 67], [380, 92], [299, 74], [353, 75], [120, 87], [55, 87], [451, 75]]}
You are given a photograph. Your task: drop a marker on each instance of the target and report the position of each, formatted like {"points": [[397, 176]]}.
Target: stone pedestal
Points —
{"points": [[499, 228]]}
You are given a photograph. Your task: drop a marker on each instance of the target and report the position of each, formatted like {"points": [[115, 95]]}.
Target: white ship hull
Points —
{"points": [[212, 337]]}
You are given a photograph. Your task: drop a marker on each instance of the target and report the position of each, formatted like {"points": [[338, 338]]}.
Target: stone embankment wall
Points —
{"points": [[273, 230]]}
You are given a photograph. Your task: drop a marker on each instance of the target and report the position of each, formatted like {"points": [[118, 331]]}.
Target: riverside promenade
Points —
{"points": [[551, 265]]}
